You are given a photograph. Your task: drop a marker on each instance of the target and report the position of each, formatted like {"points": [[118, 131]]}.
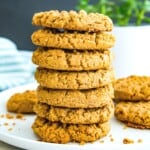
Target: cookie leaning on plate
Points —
{"points": [[72, 40], [59, 59], [22, 102], [64, 133], [133, 88], [92, 98], [73, 80], [134, 114], [75, 116], [73, 20]]}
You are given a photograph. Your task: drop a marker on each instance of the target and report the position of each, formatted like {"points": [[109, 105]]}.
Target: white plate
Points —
{"points": [[22, 135]]}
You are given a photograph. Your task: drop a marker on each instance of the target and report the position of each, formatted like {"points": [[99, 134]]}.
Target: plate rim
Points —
{"points": [[5, 137]]}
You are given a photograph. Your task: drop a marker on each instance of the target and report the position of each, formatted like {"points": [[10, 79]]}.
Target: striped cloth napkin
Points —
{"points": [[16, 67]]}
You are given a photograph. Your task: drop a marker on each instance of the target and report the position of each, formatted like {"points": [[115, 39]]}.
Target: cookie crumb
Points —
{"points": [[9, 116], [101, 141], [6, 124], [13, 123], [140, 141], [112, 139], [128, 141], [2, 116], [10, 129], [110, 135], [82, 143], [125, 127], [19, 116]]}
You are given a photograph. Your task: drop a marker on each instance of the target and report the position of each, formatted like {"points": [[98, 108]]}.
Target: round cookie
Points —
{"points": [[73, 80], [73, 40], [75, 115], [134, 114], [92, 98], [58, 59], [22, 102], [73, 20], [133, 88], [64, 133]]}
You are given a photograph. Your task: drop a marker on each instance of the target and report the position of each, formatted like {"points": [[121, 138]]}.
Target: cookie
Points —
{"points": [[73, 20], [133, 88], [59, 59], [73, 80], [134, 114], [73, 40], [22, 102], [92, 98], [64, 133], [75, 115]]}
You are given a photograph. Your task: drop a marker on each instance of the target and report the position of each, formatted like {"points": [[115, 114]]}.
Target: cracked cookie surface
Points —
{"points": [[92, 98], [133, 88], [59, 59], [75, 115], [73, 80], [134, 114], [73, 20], [73, 40], [64, 133]]}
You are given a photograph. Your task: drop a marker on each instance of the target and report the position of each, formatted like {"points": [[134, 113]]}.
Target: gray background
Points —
{"points": [[16, 16]]}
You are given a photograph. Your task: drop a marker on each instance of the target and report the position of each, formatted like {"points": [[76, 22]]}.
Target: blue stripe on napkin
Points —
{"points": [[16, 67]]}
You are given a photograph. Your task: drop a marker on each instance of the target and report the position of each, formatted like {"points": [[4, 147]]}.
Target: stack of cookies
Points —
{"points": [[75, 76], [132, 95]]}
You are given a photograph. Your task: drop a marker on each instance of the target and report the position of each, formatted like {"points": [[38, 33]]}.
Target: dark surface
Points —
{"points": [[4, 146], [16, 16]]}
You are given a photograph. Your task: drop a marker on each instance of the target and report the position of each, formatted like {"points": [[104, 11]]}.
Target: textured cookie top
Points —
{"points": [[22, 102], [56, 132], [73, 80], [134, 114], [92, 98], [133, 88], [73, 40], [59, 59], [75, 116], [73, 20]]}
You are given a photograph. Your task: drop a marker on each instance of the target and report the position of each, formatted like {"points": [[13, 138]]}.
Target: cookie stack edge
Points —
{"points": [[75, 76]]}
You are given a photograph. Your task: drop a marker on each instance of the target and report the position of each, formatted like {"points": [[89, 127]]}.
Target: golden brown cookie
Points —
{"points": [[64, 133], [134, 114], [72, 20], [73, 40], [58, 59], [22, 102], [92, 98], [133, 88], [75, 115], [73, 80]]}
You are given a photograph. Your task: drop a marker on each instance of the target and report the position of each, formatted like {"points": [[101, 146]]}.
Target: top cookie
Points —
{"points": [[72, 20], [133, 88]]}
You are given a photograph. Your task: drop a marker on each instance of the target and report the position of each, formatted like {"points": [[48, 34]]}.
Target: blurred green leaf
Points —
{"points": [[147, 5], [122, 12]]}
